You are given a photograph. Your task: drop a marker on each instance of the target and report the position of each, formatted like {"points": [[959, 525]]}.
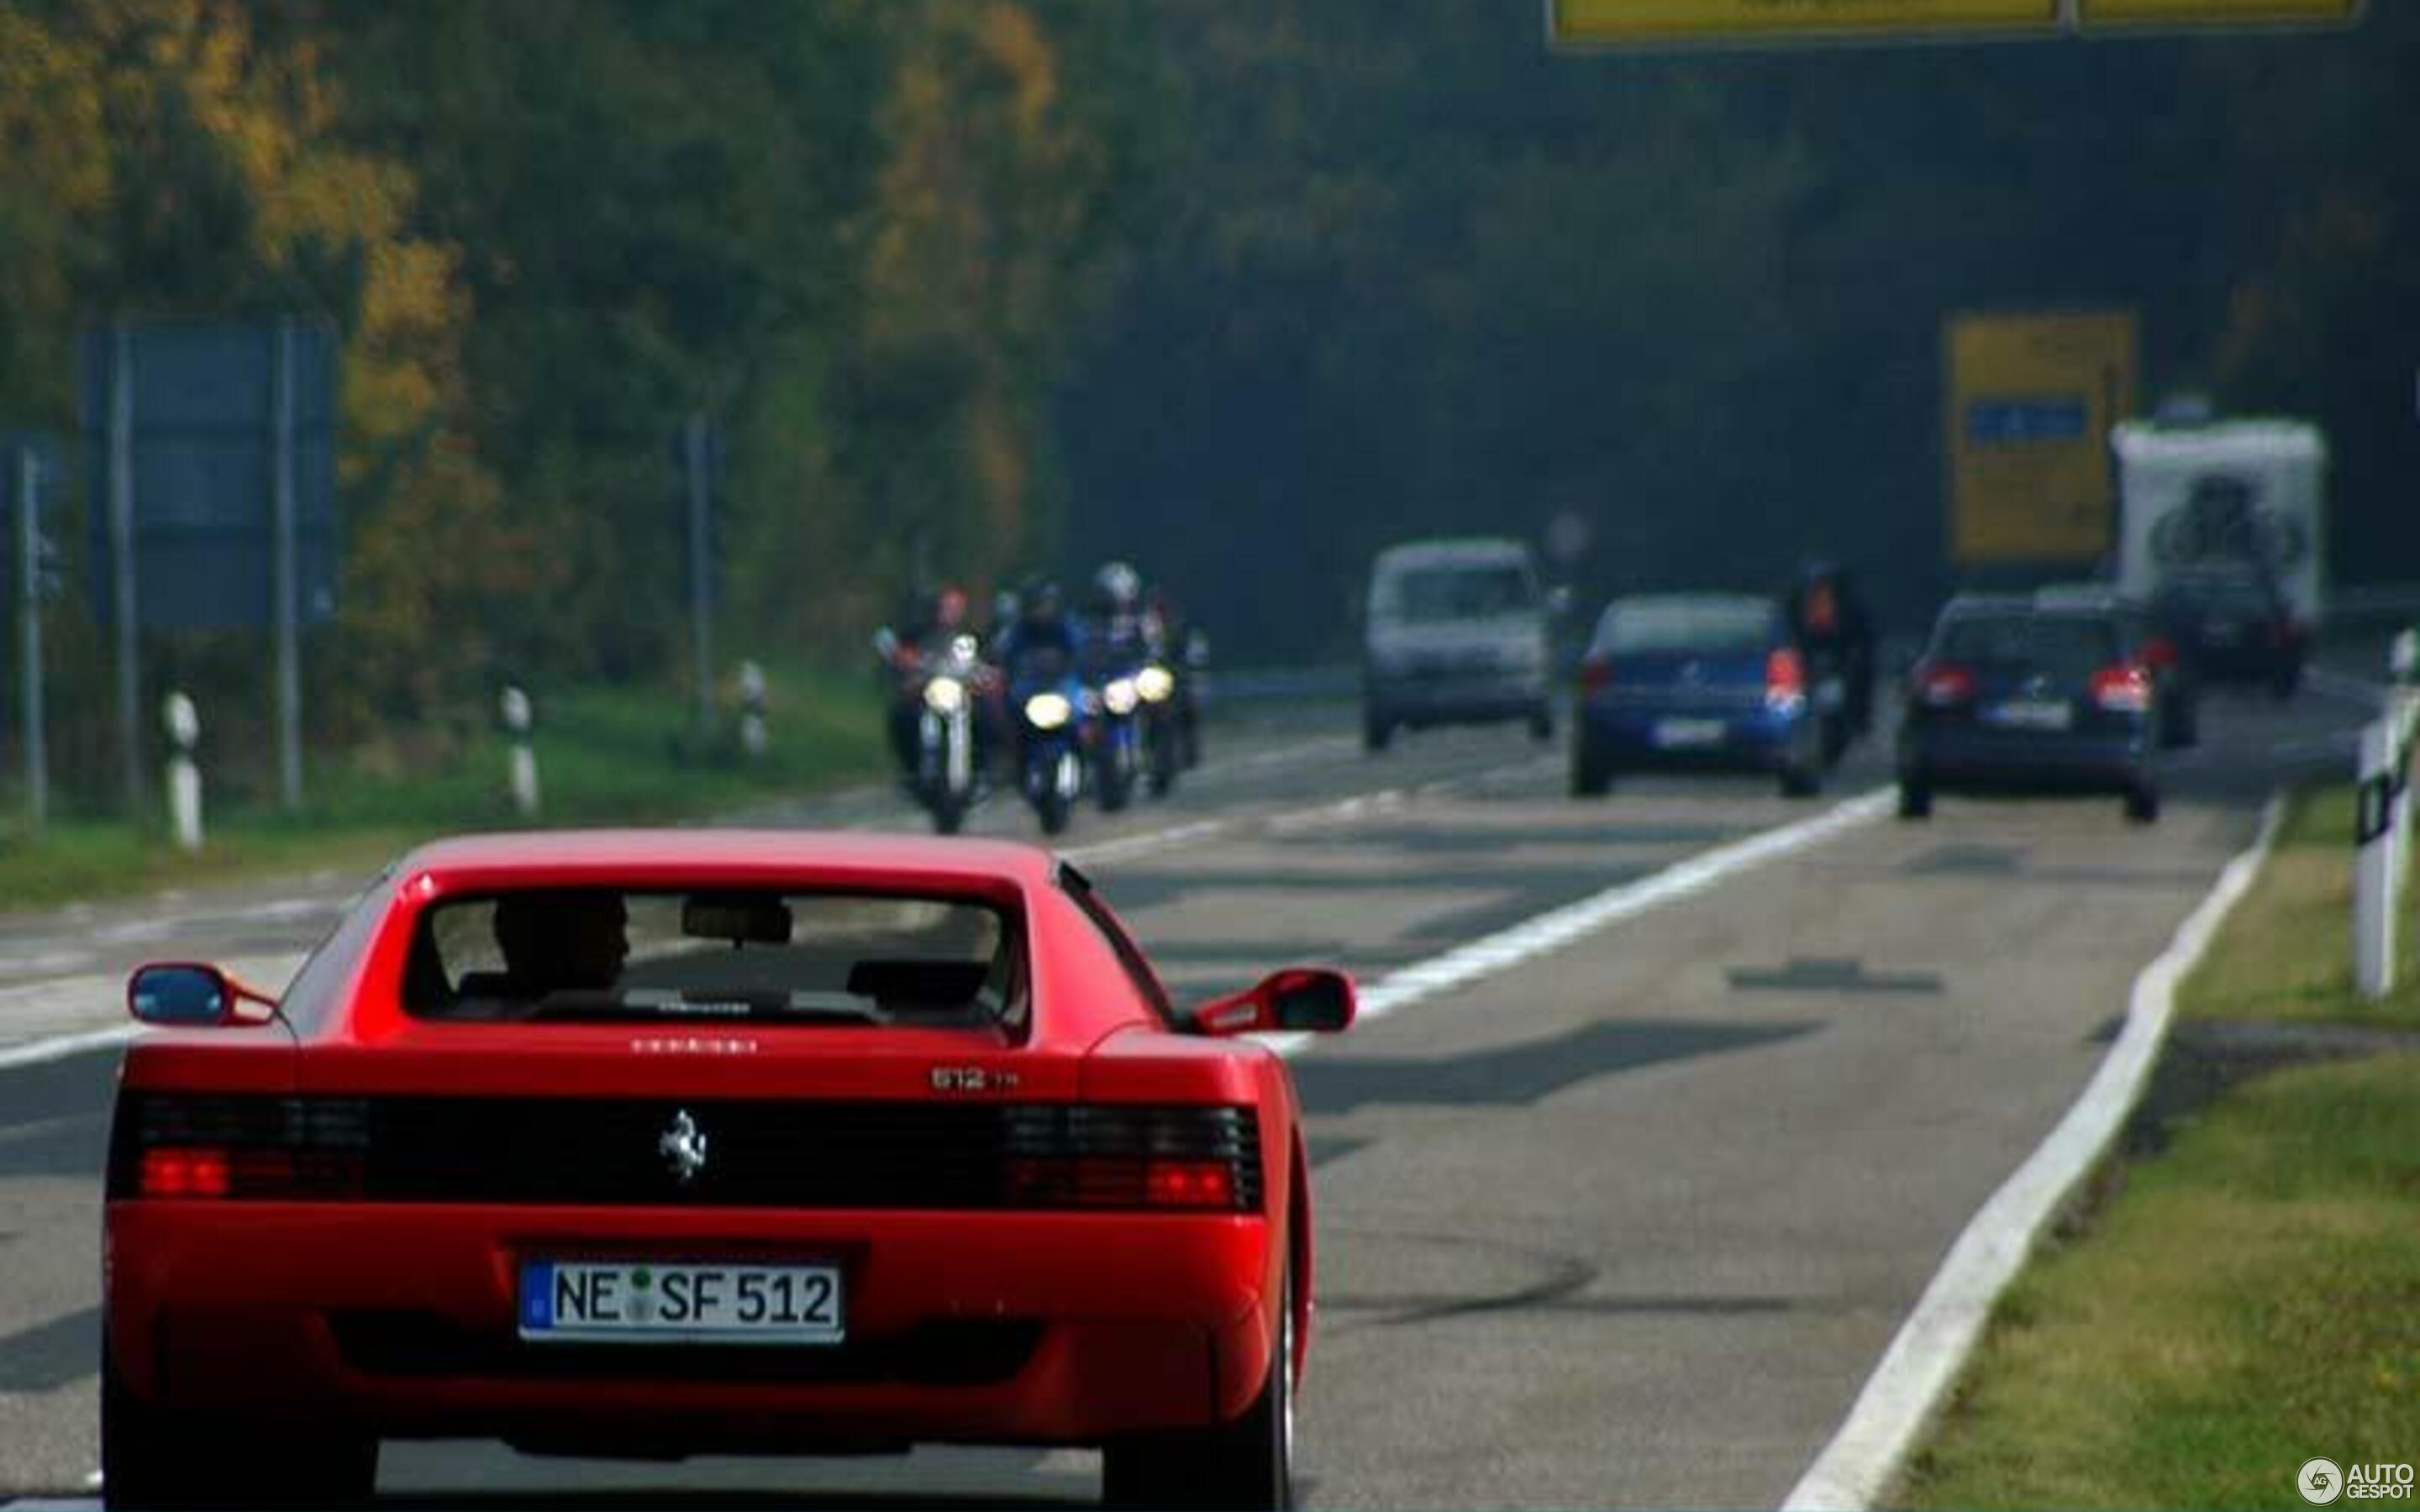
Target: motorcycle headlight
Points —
{"points": [[1119, 695], [1155, 684], [1047, 711], [945, 695]]}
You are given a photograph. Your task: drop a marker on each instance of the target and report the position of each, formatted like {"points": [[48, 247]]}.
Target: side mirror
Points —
{"points": [[1296, 1000], [188, 996]]}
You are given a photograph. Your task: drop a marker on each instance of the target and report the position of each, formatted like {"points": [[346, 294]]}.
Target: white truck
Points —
{"points": [[2205, 495]]}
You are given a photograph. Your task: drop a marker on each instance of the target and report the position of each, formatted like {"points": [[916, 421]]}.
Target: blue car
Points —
{"points": [[1701, 681], [2033, 696]]}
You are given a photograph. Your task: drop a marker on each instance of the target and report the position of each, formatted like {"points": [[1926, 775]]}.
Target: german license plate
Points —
{"points": [[2032, 714], [1688, 735], [651, 1302]]}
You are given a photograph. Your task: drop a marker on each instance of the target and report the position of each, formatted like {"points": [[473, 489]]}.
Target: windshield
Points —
{"points": [[1425, 595], [607, 956], [1716, 626]]}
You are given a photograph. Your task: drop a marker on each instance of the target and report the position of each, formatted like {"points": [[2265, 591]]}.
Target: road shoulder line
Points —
{"points": [[1865, 1456]]}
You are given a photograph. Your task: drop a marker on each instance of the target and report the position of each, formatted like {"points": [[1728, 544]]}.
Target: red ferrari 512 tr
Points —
{"points": [[662, 1143]]}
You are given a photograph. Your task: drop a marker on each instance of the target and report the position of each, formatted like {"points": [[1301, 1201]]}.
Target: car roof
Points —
{"points": [[790, 857], [2056, 605], [1461, 551]]}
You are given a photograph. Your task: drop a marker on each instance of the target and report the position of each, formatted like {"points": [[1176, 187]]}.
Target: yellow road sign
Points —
{"points": [[2092, 13], [2029, 400], [1620, 21]]}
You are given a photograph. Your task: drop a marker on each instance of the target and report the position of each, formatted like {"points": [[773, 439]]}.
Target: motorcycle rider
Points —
{"points": [[1172, 640], [932, 622], [1043, 628], [1828, 617]]}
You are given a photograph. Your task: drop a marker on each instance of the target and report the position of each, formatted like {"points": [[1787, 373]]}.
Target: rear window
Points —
{"points": [[1716, 627], [604, 955], [2066, 645], [1419, 595]]}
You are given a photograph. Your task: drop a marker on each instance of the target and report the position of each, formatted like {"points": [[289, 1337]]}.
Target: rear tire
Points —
{"points": [[1377, 732], [1800, 782], [151, 1458], [1246, 1464], [1914, 798], [2143, 806]]}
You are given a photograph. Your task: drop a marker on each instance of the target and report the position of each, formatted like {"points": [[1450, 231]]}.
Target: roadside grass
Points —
{"points": [[2246, 1297], [2249, 1301], [2287, 952], [605, 755]]}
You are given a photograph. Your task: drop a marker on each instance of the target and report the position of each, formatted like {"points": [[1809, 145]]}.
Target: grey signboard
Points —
{"points": [[202, 405]]}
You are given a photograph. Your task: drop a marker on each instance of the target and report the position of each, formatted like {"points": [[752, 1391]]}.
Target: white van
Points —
{"points": [[1456, 633]]}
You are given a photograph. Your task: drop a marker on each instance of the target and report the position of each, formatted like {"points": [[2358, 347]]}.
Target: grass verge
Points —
{"points": [[605, 756], [2285, 955], [2246, 1297]]}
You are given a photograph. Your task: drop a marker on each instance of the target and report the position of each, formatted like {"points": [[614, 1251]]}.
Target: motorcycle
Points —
{"points": [[1163, 726], [1117, 745], [1047, 704], [941, 693]]}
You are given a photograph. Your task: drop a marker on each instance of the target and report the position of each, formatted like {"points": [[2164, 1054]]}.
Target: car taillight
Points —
{"points": [[184, 1173], [1785, 678], [2159, 652], [220, 1145], [1595, 672], [1204, 1160], [2122, 689], [1943, 686]]}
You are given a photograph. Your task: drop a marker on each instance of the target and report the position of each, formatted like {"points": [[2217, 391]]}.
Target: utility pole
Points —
{"points": [[121, 559], [29, 605], [285, 574], [701, 608]]}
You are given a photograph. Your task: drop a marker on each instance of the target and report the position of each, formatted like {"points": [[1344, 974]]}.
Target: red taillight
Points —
{"points": [[2160, 652], [2122, 689], [1189, 1183], [185, 1173], [1785, 676], [1595, 672], [1942, 686]]}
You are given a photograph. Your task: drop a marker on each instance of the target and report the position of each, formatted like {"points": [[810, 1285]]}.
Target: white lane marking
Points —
{"points": [[1138, 844], [1859, 1465], [1559, 927], [107, 997], [2345, 687]]}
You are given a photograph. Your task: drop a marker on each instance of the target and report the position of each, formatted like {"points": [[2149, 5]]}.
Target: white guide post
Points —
{"points": [[184, 727], [521, 762], [2373, 887]]}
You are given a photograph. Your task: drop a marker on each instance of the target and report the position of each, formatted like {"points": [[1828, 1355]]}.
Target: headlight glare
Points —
{"points": [[1047, 711]]}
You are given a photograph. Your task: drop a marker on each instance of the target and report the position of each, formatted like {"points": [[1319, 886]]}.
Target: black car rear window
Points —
{"points": [[2219, 595], [607, 955], [2064, 646]]}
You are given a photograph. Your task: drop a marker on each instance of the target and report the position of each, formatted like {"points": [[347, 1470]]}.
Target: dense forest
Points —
{"points": [[1238, 289]]}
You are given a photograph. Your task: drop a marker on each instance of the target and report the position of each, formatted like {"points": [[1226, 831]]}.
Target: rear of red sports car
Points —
{"points": [[642, 1145]]}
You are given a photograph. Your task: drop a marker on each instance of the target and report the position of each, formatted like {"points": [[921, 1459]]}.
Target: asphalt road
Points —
{"points": [[1627, 1223]]}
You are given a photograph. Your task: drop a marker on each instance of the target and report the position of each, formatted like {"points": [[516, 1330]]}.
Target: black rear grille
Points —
{"points": [[561, 1151]]}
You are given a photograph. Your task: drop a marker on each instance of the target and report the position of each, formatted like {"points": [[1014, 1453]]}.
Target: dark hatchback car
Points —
{"points": [[2018, 696], [2232, 625], [1701, 682]]}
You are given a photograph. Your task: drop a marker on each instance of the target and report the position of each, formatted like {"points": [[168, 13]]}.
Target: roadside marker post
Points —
{"points": [[521, 763], [755, 739], [184, 725], [29, 608], [2377, 795]]}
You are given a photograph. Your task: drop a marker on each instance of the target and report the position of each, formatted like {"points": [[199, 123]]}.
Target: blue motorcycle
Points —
{"points": [[1117, 699], [1046, 704]]}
